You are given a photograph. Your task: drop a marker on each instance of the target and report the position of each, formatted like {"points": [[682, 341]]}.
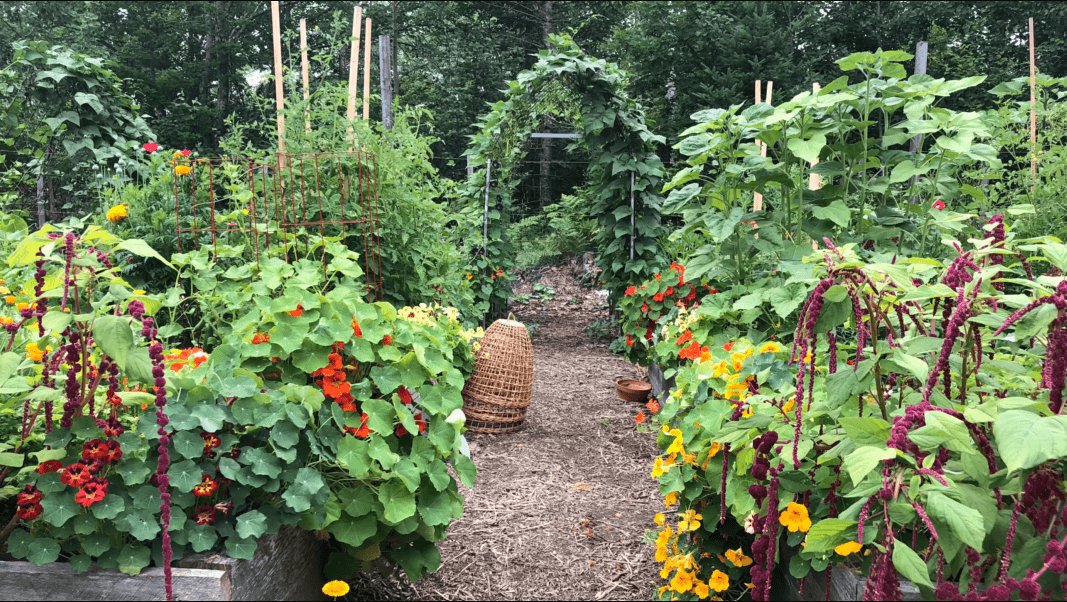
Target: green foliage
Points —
{"points": [[563, 229]]}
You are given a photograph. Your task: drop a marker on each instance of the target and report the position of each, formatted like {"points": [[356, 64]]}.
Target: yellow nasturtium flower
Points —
{"points": [[849, 547], [719, 581], [690, 521], [795, 518], [10, 299], [35, 353]]}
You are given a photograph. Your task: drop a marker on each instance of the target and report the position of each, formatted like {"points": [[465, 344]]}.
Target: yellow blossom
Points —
{"points": [[661, 544], [244, 211], [138, 292], [660, 467], [183, 170], [34, 353], [690, 521], [720, 369], [849, 547], [671, 499], [700, 589], [6, 320], [10, 299], [177, 154], [770, 347], [719, 581], [676, 446], [795, 518], [705, 356], [660, 519], [738, 558], [334, 589], [682, 582], [789, 405], [747, 412], [22, 306], [117, 213]]}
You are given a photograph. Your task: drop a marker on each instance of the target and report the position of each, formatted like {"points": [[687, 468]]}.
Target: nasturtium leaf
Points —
{"points": [[380, 415], [202, 537], [43, 550], [297, 415], [358, 501], [251, 524], [143, 524], [407, 420], [244, 411], [135, 471], [908, 563], [379, 450], [310, 358], [465, 469], [180, 417], [95, 545], [263, 462], [353, 456], [212, 417], [84, 427], [268, 414], [285, 434], [190, 445], [185, 475], [108, 508], [435, 507], [399, 503], [80, 563], [442, 435], [237, 386], [85, 524], [354, 531], [418, 559], [133, 558], [386, 378], [409, 473], [307, 485], [18, 543], [59, 508], [242, 549]]}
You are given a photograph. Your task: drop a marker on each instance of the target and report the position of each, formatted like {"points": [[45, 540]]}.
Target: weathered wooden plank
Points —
{"points": [[24, 581]]}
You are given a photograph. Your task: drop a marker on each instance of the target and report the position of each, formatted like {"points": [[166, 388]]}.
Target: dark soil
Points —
{"points": [[559, 509]]}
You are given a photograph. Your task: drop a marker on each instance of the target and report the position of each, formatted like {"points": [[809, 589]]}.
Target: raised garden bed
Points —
{"points": [[286, 567]]}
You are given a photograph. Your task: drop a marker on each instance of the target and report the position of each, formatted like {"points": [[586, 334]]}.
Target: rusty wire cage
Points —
{"points": [[278, 207]]}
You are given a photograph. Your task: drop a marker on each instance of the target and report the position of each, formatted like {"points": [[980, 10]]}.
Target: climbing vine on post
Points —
{"points": [[589, 93]]}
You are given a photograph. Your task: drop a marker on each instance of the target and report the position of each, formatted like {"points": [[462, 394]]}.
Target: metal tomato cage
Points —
{"points": [[333, 193]]}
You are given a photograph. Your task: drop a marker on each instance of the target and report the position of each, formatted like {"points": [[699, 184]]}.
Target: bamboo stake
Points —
{"points": [[366, 74], [814, 182], [757, 198], [279, 88], [353, 69], [1033, 109], [304, 70]]}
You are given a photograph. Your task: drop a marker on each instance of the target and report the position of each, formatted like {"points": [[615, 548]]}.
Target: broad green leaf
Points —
{"points": [[251, 524], [59, 508], [827, 534], [353, 455], [202, 537], [399, 503], [1026, 440], [188, 444], [966, 522], [106, 509], [141, 248], [354, 531], [242, 549], [908, 563], [185, 475], [114, 336], [863, 461], [143, 524], [43, 550], [866, 431], [133, 558]]}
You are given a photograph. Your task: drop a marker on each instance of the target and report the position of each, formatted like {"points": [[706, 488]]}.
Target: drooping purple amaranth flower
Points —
{"points": [[1056, 361], [831, 342], [69, 244], [952, 332], [933, 475], [996, 237], [925, 518], [722, 488], [883, 583], [155, 354]]}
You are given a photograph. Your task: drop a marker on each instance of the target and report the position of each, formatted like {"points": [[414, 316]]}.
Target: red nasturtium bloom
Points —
{"points": [[652, 406], [150, 147], [95, 449], [630, 291], [206, 487], [363, 431], [92, 492], [195, 355], [729, 346], [629, 341], [29, 512], [49, 466], [939, 204], [76, 475], [30, 496], [205, 515], [658, 297], [356, 330], [387, 340], [639, 418], [405, 395], [211, 440], [260, 338], [670, 291], [114, 452], [299, 311], [685, 338], [657, 276], [692, 352]]}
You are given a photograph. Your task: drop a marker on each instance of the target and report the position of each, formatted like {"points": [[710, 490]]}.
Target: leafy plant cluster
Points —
{"points": [[563, 229], [905, 433], [309, 407]]}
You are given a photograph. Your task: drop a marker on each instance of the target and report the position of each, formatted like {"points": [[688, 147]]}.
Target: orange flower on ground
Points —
{"points": [[849, 547], [719, 581], [795, 518], [652, 406], [335, 589], [639, 418], [299, 311]]}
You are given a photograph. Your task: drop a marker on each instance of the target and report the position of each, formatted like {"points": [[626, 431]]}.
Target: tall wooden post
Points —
{"points": [[304, 70], [814, 182], [366, 73], [353, 70], [921, 53], [279, 87], [1033, 108], [757, 198]]}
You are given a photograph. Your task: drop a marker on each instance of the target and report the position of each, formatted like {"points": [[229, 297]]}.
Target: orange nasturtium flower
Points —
{"points": [[335, 589], [738, 558], [34, 353], [719, 581], [795, 518], [10, 300], [729, 346], [299, 311], [849, 547]]}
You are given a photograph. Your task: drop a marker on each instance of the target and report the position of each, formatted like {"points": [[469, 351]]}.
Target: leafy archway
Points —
{"points": [[624, 169]]}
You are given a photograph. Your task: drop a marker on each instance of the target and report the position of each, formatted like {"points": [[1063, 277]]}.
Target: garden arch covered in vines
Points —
{"points": [[589, 93]]}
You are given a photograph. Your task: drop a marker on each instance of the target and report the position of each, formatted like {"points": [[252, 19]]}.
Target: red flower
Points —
{"points": [[206, 487], [30, 496], [211, 440], [29, 512], [652, 406], [363, 431], [94, 449], [49, 466], [711, 291], [670, 291], [347, 403], [658, 297], [420, 421], [205, 515], [657, 276], [639, 418], [692, 352], [630, 291], [260, 338], [729, 346], [685, 338], [92, 492], [186, 152], [387, 340], [150, 147], [851, 362], [500, 273], [939, 204], [356, 330], [76, 475], [692, 294], [114, 430], [645, 307], [405, 395], [299, 311], [629, 341], [648, 333], [114, 452]]}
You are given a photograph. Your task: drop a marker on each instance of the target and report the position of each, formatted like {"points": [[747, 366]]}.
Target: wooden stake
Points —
{"points": [[757, 198], [814, 182], [366, 74], [279, 88], [304, 70], [353, 69], [1033, 108]]}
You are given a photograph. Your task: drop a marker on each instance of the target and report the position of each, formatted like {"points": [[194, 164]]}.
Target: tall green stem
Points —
{"points": [[863, 137]]}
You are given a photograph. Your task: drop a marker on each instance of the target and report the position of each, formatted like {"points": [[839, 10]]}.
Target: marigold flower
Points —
{"points": [[849, 547], [150, 147], [22, 306], [117, 213], [177, 155], [10, 299], [207, 487], [6, 320], [335, 589], [795, 518], [719, 581], [182, 170]]}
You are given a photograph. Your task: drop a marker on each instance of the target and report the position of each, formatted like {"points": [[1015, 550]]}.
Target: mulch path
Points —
{"points": [[559, 510]]}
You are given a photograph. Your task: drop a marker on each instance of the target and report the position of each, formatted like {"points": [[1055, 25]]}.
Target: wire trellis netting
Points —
{"points": [[279, 208]]}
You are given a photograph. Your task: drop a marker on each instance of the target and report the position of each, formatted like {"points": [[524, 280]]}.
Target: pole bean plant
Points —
{"points": [[913, 430]]}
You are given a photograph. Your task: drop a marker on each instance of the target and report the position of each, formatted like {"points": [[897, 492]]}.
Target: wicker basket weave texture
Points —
{"points": [[497, 395]]}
